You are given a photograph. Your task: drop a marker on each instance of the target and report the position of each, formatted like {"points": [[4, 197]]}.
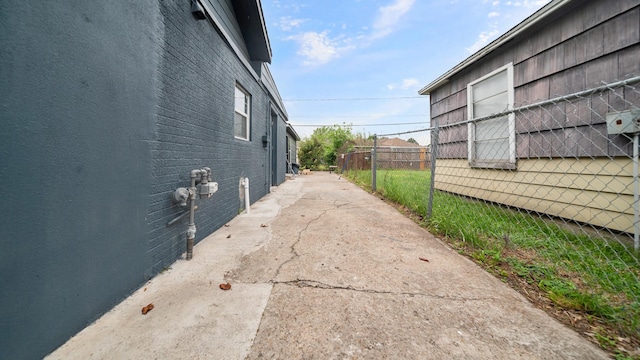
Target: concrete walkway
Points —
{"points": [[321, 269]]}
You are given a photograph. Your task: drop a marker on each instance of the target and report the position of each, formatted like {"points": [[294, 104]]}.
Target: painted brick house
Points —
{"points": [[106, 107], [557, 158]]}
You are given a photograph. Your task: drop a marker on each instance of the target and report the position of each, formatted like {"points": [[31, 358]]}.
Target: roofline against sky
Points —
{"points": [[264, 28], [515, 31]]}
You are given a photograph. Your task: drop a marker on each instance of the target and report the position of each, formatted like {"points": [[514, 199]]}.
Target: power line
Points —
{"points": [[406, 132], [390, 124], [356, 116], [360, 99]]}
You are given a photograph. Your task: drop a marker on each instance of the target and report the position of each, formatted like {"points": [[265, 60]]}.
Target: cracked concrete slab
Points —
{"points": [[335, 274], [354, 278]]}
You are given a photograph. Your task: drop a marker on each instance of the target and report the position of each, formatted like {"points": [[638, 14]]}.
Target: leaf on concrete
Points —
{"points": [[226, 286], [147, 308]]}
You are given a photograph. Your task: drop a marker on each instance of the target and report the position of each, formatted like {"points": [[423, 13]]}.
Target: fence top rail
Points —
{"points": [[578, 94], [421, 147]]}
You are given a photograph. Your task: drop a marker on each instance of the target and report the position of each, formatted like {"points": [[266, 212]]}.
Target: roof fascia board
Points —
{"points": [[251, 20], [216, 22], [264, 28], [515, 31], [293, 132]]}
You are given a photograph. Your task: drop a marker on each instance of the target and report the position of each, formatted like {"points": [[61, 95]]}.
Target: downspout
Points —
{"points": [[247, 202]]}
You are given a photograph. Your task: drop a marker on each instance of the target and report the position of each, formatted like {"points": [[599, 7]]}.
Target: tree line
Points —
{"points": [[320, 150]]}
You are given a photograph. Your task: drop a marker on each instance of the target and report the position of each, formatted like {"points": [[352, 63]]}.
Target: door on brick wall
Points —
{"points": [[274, 149]]}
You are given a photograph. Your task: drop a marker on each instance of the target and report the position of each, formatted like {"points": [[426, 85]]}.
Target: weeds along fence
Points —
{"points": [[544, 195]]}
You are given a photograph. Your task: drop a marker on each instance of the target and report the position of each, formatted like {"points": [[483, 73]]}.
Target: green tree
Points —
{"points": [[412, 140], [311, 153], [321, 148]]}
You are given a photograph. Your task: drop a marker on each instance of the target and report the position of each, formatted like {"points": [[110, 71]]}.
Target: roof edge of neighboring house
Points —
{"points": [[536, 17], [293, 131]]}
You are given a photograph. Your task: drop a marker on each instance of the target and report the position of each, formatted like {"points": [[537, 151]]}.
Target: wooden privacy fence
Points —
{"points": [[356, 160], [406, 158]]}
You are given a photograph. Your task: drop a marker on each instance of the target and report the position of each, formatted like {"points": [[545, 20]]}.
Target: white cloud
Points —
{"points": [[483, 39], [409, 83], [317, 48], [286, 23], [505, 10], [406, 84], [389, 16], [527, 3]]}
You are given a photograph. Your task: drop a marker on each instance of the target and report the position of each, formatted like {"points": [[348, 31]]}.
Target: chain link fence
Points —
{"points": [[544, 196]]}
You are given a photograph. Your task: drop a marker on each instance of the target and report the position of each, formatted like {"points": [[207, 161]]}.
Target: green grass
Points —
{"points": [[575, 270]]}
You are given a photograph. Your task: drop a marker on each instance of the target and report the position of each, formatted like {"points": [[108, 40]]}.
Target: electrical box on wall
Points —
{"points": [[623, 122]]}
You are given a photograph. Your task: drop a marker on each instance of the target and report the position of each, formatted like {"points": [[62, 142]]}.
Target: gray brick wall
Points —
{"points": [[195, 129], [77, 101], [106, 108]]}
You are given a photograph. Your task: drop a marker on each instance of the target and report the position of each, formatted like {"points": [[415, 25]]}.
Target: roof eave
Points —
{"points": [[539, 15], [251, 19], [293, 132]]}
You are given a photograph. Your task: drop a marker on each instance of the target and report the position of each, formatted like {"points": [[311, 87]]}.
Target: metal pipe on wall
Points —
{"points": [[191, 229], [187, 197]]}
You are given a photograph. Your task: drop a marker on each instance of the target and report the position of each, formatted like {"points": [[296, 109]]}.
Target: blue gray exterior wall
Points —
{"points": [[199, 73], [106, 107], [279, 150]]}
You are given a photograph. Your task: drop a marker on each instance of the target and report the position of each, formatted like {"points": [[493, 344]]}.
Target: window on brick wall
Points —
{"points": [[492, 141], [241, 119]]}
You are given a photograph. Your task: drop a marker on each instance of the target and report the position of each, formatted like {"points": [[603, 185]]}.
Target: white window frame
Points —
{"points": [[492, 163], [243, 111]]}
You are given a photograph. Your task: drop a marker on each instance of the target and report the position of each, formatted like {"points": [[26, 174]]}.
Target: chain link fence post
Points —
{"points": [[434, 156], [373, 162], [636, 195]]}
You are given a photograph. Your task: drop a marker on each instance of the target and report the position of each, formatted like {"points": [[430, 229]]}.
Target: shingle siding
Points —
{"points": [[593, 43], [567, 164]]}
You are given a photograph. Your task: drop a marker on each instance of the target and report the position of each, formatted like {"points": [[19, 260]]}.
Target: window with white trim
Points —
{"points": [[241, 119], [492, 142]]}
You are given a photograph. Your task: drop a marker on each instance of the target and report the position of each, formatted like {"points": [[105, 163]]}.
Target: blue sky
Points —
{"points": [[382, 49]]}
